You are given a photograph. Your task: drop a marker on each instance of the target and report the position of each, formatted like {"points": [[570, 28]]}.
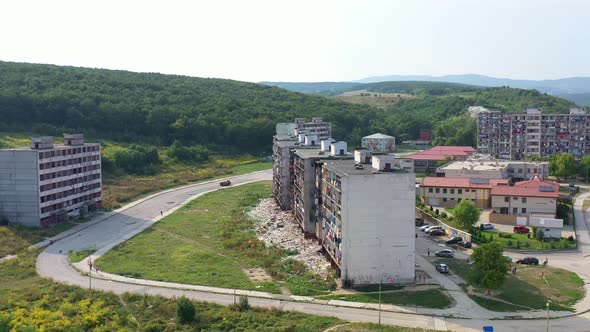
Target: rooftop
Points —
{"points": [[535, 187], [378, 135], [316, 152], [474, 165], [347, 167], [432, 181], [442, 152]]}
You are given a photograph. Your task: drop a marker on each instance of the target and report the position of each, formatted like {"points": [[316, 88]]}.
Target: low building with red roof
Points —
{"points": [[517, 203], [427, 160], [446, 192]]}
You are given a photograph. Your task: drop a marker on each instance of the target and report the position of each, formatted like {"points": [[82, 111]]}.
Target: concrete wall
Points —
{"points": [[378, 214], [19, 187]]}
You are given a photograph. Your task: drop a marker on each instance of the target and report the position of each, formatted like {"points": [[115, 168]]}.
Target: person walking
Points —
{"points": [[428, 252]]}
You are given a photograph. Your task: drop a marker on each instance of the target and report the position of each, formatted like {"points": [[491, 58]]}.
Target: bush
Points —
{"points": [[509, 243], [185, 311], [431, 209], [517, 244], [527, 244], [180, 152], [570, 238], [154, 326], [443, 214], [243, 304]]}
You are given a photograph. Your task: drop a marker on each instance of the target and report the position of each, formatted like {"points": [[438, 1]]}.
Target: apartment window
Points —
{"points": [[506, 199], [514, 198], [452, 198], [514, 210], [452, 191], [437, 190], [444, 190], [430, 190], [524, 200], [444, 199], [528, 170], [523, 210], [520, 170], [459, 191]]}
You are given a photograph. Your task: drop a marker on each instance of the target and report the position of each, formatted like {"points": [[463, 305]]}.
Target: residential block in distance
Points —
{"points": [[47, 183]]}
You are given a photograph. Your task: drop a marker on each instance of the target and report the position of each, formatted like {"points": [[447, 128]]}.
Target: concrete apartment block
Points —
{"points": [[368, 223], [379, 143], [47, 183]]}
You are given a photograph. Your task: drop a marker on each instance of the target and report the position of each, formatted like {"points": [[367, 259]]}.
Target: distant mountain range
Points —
{"points": [[576, 89]]}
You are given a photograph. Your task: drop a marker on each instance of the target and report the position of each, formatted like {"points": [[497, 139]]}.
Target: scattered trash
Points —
{"points": [[278, 227]]}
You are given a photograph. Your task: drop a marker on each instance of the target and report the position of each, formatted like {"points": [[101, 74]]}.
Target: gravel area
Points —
{"points": [[278, 227]]}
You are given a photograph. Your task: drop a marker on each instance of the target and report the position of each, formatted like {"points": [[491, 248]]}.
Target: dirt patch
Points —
{"points": [[257, 275]]}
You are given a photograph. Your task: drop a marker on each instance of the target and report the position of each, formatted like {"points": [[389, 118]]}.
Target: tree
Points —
{"points": [[185, 311], [489, 266], [563, 165], [466, 213], [584, 167]]}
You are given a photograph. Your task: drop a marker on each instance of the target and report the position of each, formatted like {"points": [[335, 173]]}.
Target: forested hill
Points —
{"points": [[158, 109]]}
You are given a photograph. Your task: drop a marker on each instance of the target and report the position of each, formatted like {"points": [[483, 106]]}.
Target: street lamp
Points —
{"points": [[380, 277], [548, 315]]}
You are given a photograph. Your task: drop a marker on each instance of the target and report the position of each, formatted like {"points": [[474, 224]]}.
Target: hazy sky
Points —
{"points": [[318, 40]]}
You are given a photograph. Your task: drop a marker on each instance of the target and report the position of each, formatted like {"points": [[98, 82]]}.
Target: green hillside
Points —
{"points": [[419, 87]]}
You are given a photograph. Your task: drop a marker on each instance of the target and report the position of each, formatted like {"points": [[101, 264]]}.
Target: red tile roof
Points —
{"points": [[442, 152], [530, 188], [444, 182]]}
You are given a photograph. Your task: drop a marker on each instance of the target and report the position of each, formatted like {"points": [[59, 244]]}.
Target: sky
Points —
{"points": [[304, 41]]}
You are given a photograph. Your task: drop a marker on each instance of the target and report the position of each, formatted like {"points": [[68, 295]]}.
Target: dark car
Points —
{"points": [[454, 240], [437, 232], [225, 183], [464, 244], [445, 253], [419, 221], [442, 268], [521, 230], [528, 261]]}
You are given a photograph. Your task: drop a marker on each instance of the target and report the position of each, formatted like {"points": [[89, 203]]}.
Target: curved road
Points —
{"points": [[111, 229]]}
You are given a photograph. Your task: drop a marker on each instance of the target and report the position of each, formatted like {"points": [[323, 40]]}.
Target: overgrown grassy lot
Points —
{"points": [[432, 298], [76, 256], [209, 242], [15, 238], [31, 303], [527, 289]]}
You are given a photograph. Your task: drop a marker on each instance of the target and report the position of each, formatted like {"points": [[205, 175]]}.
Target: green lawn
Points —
{"points": [[527, 288], [208, 242], [523, 242], [433, 298], [31, 303], [76, 256]]}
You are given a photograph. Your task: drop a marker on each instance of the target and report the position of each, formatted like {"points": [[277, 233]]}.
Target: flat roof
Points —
{"points": [[433, 181], [55, 146], [472, 165], [316, 152], [347, 167], [442, 152]]}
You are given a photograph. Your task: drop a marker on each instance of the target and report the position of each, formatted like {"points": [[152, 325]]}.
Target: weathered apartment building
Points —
{"points": [[44, 184], [362, 212], [532, 133], [294, 135]]}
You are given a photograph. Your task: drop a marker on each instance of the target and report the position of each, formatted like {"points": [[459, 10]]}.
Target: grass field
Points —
{"points": [[433, 298], [209, 242], [76, 256], [31, 303], [528, 289], [376, 99], [15, 238]]}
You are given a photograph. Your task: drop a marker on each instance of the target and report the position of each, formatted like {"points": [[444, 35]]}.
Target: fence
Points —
{"points": [[450, 231]]}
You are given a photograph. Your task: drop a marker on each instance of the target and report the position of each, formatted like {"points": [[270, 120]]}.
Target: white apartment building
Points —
{"points": [[379, 143], [367, 218], [44, 184]]}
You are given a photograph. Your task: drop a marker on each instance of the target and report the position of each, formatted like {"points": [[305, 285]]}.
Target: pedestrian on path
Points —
{"points": [[428, 252], [161, 213]]}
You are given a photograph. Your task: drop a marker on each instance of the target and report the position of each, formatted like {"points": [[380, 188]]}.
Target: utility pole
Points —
{"points": [[380, 277], [547, 316], [90, 273]]}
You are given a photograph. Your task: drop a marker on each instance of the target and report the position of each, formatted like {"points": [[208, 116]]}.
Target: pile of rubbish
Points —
{"points": [[278, 227]]}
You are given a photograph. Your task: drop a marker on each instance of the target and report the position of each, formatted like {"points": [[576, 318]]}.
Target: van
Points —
{"points": [[431, 228]]}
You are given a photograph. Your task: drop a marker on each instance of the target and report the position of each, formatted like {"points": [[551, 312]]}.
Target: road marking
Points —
{"points": [[440, 324]]}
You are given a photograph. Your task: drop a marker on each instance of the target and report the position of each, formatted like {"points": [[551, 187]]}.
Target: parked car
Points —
{"points": [[225, 183], [454, 240], [528, 261], [442, 268], [419, 221], [464, 244], [423, 228], [445, 253], [436, 232], [521, 230], [432, 228], [487, 225]]}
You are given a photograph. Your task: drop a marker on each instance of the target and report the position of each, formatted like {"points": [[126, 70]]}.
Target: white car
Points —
{"points": [[487, 225], [431, 228], [423, 228]]}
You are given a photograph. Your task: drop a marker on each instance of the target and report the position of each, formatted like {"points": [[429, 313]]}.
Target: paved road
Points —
{"points": [[130, 220]]}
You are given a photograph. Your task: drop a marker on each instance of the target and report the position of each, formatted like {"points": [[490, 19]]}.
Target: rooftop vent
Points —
{"points": [[547, 189], [479, 181]]}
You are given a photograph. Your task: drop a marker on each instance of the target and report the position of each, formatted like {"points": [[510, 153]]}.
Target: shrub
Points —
{"points": [[431, 209], [154, 326], [185, 311], [517, 244], [527, 244], [443, 214], [451, 218], [436, 212], [570, 238], [243, 304], [509, 243]]}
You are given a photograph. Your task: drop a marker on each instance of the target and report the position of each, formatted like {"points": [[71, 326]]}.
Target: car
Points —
{"points": [[423, 228], [431, 228], [225, 183], [419, 221], [521, 230], [508, 258], [487, 225], [442, 268], [445, 253], [436, 232], [454, 240], [464, 244], [528, 261]]}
